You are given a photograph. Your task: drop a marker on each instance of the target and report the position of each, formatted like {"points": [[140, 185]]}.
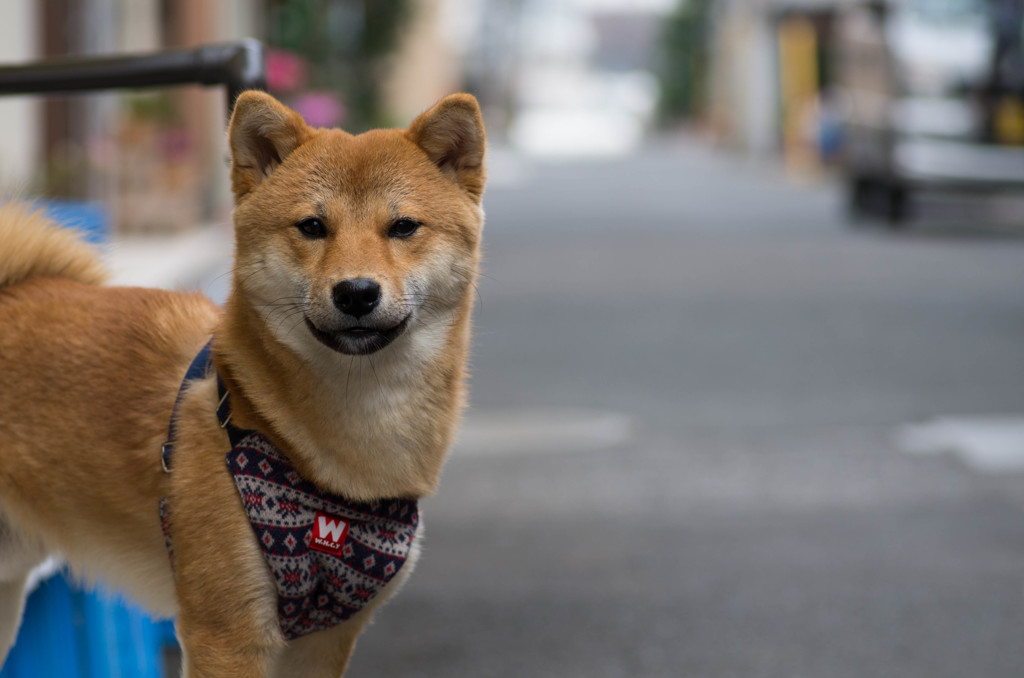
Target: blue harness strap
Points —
{"points": [[197, 370]]}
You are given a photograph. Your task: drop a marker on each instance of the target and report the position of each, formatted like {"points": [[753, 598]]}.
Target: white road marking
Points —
{"points": [[985, 444]]}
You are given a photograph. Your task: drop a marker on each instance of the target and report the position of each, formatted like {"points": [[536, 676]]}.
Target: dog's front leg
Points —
{"points": [[227, 620], [323, 654], [207, 653]]}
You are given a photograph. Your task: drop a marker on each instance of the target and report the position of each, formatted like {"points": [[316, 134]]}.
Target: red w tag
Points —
{"points": [[329, 533]]}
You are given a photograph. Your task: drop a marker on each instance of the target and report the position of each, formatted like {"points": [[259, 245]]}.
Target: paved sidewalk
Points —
{"points": [[198, 258]]}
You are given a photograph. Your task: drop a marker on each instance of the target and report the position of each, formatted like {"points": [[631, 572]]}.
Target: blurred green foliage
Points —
{"points": [[345, 43], [159, 107], [684, 61]]}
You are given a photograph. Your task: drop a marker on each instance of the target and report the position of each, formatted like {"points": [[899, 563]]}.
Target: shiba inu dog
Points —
{"points": [[338, 363]]}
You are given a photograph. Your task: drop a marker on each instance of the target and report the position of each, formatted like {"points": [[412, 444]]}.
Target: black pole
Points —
{"points": [[236, 65]]}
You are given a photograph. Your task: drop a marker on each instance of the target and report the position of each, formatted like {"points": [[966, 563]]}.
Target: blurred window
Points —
{"points": [[950, 13]]}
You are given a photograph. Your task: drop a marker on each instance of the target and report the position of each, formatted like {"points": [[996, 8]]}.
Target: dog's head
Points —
{"points": [[353, 241]]}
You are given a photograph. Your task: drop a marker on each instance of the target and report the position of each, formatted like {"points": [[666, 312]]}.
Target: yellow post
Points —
{"points": [[798, 81]]}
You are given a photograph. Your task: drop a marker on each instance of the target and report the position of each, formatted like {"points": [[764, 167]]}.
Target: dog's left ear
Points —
{"points": [[261, 134], [452, 135]]}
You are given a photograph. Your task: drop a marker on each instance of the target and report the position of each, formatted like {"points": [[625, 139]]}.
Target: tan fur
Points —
{"points": [[31, 250], [91, 374]]}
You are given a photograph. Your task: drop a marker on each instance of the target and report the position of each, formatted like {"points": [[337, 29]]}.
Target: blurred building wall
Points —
{"points": [[744, 80], [74, 146], [19, 117], [426, 65], [156, 165], [747, 76]]}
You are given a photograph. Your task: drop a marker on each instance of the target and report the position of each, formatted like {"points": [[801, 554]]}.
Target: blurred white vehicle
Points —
{"points": [[933, 98]]}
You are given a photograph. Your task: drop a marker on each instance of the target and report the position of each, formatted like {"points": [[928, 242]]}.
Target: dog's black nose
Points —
{"points": [[356, 296]]}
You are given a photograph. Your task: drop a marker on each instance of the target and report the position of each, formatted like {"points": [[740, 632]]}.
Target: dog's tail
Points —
{"points": [[34, 246]]}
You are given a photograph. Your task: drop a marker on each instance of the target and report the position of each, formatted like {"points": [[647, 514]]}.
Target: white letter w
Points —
{"points": [[331, 529]]}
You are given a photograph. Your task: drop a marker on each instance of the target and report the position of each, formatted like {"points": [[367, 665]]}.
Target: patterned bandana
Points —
{"points": [[329, 556]]}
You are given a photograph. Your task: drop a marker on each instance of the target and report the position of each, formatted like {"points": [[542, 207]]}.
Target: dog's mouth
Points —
{"points": [[359, 340]]}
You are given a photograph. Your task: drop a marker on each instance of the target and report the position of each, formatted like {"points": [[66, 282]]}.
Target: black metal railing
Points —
{"points": [[237, 65]]}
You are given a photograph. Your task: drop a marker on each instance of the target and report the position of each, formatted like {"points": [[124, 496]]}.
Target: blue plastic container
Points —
{"points": [[71, 633], [88, 217]]}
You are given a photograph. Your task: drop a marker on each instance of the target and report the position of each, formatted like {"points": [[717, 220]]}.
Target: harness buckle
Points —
{"points": [[220, 406]]}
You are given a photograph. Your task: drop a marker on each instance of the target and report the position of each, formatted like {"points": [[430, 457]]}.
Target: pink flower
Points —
{"points": [[286, 71], [320, 109]]}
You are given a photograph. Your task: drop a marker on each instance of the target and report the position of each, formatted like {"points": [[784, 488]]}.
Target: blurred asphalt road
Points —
{"points": [[690, 377], [747, 361]]}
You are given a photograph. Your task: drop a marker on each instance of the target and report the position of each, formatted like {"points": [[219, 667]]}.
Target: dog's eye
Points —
{"points": [[312, 228], [403, 228]]}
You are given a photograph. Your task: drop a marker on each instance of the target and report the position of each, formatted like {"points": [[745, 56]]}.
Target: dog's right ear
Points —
{"points": [[261, 134]]}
